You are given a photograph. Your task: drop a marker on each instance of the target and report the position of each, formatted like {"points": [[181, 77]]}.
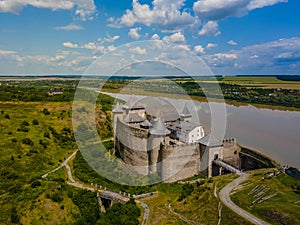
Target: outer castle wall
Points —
{"points": [[131, 144], [179, 162]]}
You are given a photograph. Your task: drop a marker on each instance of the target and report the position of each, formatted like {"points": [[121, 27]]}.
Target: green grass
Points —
{"points": [[21, 164], [279, 209], [200, 206]]}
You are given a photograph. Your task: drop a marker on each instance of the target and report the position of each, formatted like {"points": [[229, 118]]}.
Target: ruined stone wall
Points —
{"points": [[179, 162]]}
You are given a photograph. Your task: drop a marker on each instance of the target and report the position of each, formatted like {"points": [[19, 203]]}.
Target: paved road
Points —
{"points": [[146, 214], [225, 198]]}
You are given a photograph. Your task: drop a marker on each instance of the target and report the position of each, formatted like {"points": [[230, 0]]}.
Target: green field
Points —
{"points": [[26, 154]]}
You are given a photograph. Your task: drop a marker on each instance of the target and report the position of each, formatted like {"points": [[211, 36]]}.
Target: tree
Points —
{"points": [[24, 124], [7, 116], [14, 215], [35, 122], [46, 111], [27, 141]]}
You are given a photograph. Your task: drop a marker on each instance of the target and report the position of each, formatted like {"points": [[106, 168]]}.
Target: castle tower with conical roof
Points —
{"points": [[186, 115], [158, 132]]}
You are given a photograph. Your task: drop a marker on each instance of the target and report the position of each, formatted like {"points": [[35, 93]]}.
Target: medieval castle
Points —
{"points": [[159, 140]]}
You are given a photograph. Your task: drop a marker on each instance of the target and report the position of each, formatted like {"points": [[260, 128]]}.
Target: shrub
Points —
{"points": [[47, 134], [187, 190], [14, 215], [24, 124], [35, 122], [36, 183], [46, 112], [27, 141], [23, 129], [56, 197]]}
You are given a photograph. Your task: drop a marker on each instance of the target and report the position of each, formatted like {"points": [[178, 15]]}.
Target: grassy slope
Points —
{"points": [[280, 209], [200, 207], [19, 169]]}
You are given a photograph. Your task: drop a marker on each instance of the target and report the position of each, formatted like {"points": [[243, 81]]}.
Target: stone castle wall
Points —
{"points": [[231, 152], [179, 162], [137, 148], [131, 144]]}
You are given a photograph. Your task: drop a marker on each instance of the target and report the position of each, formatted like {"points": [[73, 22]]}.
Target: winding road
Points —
{"points": [[224, 196]]}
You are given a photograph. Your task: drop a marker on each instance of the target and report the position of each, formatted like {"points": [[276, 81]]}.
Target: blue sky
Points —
{"points": [[233, 36]]}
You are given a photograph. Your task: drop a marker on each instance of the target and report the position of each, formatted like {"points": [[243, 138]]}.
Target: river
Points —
{"points": [[275, 133]]}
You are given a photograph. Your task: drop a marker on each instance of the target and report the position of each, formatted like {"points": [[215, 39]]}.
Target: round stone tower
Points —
{"points": [[117, 113], [158, 132]]}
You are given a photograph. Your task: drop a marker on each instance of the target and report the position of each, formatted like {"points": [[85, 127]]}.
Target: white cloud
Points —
{"points": [[165, 13], [211, 28], [70, 45], [138, 50], [175, 38], [211, 45], [199, 50], [69, 27], [255, 4], [220, 9], [225, 56], [95, 47], [111, 48], [109, 39], [155, 37], [83, 8], [277, 57], [7, 52], [134, 33], [231, 42]]}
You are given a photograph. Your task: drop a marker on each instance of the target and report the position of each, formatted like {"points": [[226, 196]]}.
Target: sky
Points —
{"points": [[233, 37]]}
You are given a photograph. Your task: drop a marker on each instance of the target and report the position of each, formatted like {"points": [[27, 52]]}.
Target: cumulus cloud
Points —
{"points": [[70, 45], [231, 42], [211, 45], [165, 13], [134, 33], [109, 39], [219, 9], [155, 37], [83, 8], [199, 50], [138, 50], [211, 28], [175, 38], [69, 27], [95, 47]]}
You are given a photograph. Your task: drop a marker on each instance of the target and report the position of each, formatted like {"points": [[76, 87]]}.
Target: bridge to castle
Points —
{"points": [[107, 198], [226, 166]]}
